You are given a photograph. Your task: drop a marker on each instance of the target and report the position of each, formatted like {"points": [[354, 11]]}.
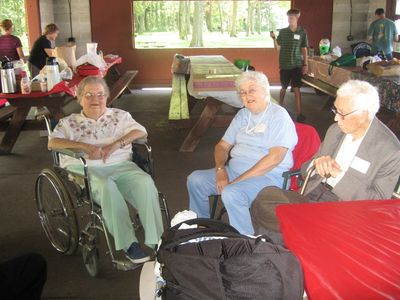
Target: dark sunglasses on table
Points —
{"points": [[92, 95], [342, 116]]}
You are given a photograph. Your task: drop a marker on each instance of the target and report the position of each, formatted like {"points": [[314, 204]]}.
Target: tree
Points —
{"points": [[197, 32], [221, 20], [258, 18], [208, 14], [182, 15], [233, 32], [250, 14]]}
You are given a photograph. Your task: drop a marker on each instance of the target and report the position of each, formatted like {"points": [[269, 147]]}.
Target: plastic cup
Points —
{"points": [[43, 86]]}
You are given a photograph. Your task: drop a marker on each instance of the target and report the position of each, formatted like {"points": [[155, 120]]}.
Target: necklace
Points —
{"points": [[257, 126]]}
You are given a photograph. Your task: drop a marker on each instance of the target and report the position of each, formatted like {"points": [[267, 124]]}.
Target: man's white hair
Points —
{"points": [[363, 95], [260, 79]]}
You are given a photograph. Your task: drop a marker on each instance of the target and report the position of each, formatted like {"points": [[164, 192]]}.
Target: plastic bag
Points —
{"points": [[337, 51], [92, 59], [66, 74], [67, 53]]}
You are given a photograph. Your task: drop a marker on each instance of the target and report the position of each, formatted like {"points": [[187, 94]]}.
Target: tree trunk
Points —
{"points": [[258, 19], [183, 34], [209, 16], [187, 14], [250, 9], [221, 21], [233, 32], [197, 32]]}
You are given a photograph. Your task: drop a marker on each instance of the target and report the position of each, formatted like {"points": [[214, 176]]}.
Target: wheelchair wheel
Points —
{"points": [[56, 212], [90, 252], [164, 211]]}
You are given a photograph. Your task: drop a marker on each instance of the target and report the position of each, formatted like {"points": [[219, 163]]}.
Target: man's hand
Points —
{"points": [[272, 35], [222, 180], [326, 166], [304, 70]]}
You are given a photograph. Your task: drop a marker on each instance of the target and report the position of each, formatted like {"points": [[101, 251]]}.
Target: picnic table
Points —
{"points": [[211, 81], [53, 100], [347, 249]]}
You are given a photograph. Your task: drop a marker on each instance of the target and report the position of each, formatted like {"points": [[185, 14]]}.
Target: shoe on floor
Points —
{"points": [[300, 118], [136, 254]]}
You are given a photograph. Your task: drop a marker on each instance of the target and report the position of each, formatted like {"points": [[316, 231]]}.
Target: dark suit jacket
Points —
{"points": [[380, 148]]}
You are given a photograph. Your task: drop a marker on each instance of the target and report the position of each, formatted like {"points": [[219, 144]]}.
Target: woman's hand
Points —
{"points": [[94, 152], [109, 149], [222, 180], [326, 166]]}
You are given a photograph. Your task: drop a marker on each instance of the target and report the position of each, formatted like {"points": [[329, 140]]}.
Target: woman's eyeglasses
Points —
{"points": [[90, 95], [250, 92], [342, 116]]}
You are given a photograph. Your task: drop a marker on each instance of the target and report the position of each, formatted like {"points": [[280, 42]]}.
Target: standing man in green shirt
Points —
{"points": [[292, 45], [382, 33]]}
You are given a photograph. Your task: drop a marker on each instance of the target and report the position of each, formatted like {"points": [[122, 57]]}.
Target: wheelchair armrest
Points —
{"points": [[78, 154], [143, 142], [287, 176]]}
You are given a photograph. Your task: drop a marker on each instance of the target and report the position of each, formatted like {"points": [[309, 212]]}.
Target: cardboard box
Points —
{"points": [[323, 71], [384, 69]]}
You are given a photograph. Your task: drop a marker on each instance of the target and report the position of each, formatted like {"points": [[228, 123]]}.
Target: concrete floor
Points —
{"points": [[21, 230]]}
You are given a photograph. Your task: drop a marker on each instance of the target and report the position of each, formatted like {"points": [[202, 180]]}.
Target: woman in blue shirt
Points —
{"points": [[259, 142]]}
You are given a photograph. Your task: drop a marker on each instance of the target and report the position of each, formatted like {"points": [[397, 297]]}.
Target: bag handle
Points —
{"points": [[210, 228], [207, 223]]}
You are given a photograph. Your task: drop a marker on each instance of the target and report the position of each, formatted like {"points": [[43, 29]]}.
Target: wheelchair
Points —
{"points": [[60, 193]]}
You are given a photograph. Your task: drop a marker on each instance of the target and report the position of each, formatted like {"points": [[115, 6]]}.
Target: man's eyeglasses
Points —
{"points": [[90, 95], [250, 92], [342, 116]]}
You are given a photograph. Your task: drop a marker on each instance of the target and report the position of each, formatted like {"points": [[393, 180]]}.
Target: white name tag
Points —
{"points": [[296, 36], [260, 128], [360, 165]]}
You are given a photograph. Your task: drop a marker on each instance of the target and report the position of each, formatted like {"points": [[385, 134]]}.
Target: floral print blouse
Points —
{"points": [[111, 126]]}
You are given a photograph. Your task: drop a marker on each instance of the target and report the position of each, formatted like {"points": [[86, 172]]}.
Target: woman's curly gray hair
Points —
{"points": [[91, 80], [260, 79]]}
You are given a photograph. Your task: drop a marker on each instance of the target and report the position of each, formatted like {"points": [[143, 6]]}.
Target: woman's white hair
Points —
{"points": [[91, 80], [363, 95], [260, 79]]}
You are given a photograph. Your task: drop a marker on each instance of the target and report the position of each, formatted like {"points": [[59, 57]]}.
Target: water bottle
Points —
{"points": [[52, 73], [8, 81], [25, 83]]}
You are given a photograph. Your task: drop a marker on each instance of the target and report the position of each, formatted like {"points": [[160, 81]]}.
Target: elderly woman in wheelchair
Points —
{"points": [[105, 137]]}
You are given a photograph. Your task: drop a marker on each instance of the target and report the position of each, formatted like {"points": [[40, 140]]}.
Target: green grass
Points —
{"points": [[151, 40]]}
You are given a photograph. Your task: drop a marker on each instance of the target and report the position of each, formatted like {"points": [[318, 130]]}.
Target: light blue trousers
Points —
{"points": [[237, 197], [112, 186]]}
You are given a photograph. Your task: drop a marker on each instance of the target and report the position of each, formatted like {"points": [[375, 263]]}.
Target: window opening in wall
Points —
{"points": [[15, 11], [207, 24]]}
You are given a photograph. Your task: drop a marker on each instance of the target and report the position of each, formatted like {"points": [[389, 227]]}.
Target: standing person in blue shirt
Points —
{"points": [[292, 44], [259, 142], [382, 33]]}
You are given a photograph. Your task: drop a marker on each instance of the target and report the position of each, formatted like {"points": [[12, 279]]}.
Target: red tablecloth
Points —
{"points": [[68, 87], [348, 250]]}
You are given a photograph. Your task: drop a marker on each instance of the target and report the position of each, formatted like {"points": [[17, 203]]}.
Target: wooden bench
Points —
{"points": [[6, 112], [120, 85]]}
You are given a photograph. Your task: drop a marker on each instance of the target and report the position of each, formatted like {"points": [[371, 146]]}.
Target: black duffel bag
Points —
{"points": [[214, 261]]}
